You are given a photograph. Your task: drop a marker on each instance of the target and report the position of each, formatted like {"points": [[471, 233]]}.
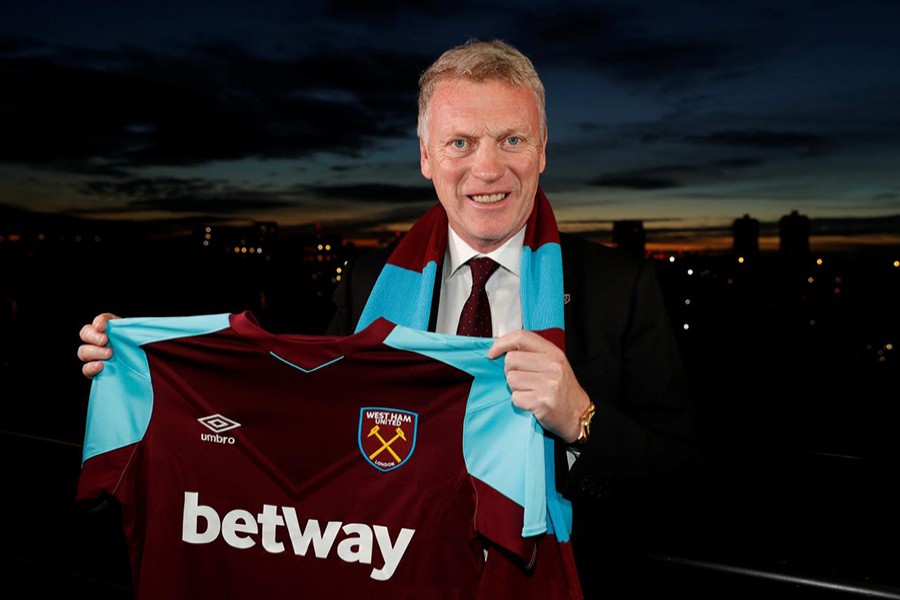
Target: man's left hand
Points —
{"points": [[542, 381]]}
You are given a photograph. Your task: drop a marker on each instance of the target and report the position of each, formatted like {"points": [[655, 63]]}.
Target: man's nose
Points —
{"points": [[488, 164]]}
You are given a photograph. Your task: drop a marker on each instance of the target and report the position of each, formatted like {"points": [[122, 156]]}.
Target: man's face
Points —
{"points": [[484, 154]]}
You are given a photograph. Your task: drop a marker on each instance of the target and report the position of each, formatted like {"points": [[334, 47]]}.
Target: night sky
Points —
{"points": [[686, 115]]}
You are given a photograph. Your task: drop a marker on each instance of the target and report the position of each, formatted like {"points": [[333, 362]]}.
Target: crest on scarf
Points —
{"points": [[387, 436]]}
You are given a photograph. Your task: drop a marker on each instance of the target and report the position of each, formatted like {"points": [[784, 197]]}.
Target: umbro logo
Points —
{"points": [[218, 424]]}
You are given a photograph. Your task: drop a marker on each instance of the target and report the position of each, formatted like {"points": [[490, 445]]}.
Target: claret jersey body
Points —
{"points": [[250, 464]]}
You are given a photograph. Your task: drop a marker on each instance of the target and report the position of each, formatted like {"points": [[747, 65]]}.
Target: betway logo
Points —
{"points": [[241, 529]]}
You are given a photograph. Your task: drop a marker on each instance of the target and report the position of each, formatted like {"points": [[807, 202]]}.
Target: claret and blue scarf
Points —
{"points": [[403, 294]]}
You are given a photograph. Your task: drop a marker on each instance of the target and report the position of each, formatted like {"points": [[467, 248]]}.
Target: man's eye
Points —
{"points": [[459, 144], [513, 140]]}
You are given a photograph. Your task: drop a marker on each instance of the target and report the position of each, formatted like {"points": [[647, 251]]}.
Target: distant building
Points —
{"points": [[745, 232], [630, 236], [793, 231]]}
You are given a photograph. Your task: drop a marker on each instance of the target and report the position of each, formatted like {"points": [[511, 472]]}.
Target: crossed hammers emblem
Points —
{"points": [[386, 445]]}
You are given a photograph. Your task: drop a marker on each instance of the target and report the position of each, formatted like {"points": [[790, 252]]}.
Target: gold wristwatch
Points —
{"points": [[586, 417]]}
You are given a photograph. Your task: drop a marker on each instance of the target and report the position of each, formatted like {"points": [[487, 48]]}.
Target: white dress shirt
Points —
{"points": [[502, 288]]}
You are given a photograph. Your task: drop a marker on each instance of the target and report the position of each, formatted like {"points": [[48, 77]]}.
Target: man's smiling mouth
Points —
{"points": [[488, 198]]}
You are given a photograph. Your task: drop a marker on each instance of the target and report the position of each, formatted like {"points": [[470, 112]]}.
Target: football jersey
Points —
{"points": [[250, 464]]}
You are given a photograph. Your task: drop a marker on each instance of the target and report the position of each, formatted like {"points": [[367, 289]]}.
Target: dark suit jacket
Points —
{"points": [[621, 346]]}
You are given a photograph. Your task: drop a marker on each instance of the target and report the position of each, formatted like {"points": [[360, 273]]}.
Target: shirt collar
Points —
{"points": [[509, 255]]}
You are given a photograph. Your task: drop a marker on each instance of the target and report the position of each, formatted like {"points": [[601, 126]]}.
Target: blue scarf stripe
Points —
{"points": [[401, 296], [542, 288]]}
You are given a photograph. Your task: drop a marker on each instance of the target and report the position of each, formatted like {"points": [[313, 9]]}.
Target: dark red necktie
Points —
{"points": [[475, 318]]}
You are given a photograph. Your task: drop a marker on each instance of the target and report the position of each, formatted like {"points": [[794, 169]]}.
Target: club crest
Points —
{"points": [[387, 436]]}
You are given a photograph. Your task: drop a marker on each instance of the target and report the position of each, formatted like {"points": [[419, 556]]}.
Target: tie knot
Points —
{"points": [[482, 268]]}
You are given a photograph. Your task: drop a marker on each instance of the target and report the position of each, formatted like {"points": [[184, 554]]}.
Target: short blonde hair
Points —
{"points": [[481, 61]]}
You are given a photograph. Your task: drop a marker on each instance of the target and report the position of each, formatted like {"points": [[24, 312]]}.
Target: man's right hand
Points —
{"points": [[94, 349]]}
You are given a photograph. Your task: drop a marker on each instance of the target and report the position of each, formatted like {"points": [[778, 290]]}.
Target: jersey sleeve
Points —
{"points": [[121, 397]]}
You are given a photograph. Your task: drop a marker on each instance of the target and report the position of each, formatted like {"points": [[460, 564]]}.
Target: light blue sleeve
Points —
{"points": [[121, 398], [517, 468]]}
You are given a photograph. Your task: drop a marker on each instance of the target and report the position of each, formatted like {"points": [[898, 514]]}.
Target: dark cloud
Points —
{"points": [[621, 44], [738, 163], [763, 139], [375, 192], [379, 11], [77, 109], [158, 187], [634, 182], [177, 195], [198, 195], [856, 226], [350, 225], [222, 204], [664, 177]]}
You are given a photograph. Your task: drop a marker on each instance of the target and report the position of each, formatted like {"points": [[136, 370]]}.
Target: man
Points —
{"points": [[612, 387]]}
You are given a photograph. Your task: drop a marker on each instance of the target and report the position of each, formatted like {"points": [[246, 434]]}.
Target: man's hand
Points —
{"points": [[542, 381], [94, 350]]}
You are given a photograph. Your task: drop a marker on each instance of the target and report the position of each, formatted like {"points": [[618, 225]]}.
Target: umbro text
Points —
{"points": [[215, 437]]}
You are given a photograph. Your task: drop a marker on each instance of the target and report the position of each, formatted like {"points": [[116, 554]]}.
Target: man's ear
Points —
{"points": [[423, 160], [543, 158]]}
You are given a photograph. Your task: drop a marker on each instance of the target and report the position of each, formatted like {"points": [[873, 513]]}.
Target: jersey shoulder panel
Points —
{"points": [[121, 397]]}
